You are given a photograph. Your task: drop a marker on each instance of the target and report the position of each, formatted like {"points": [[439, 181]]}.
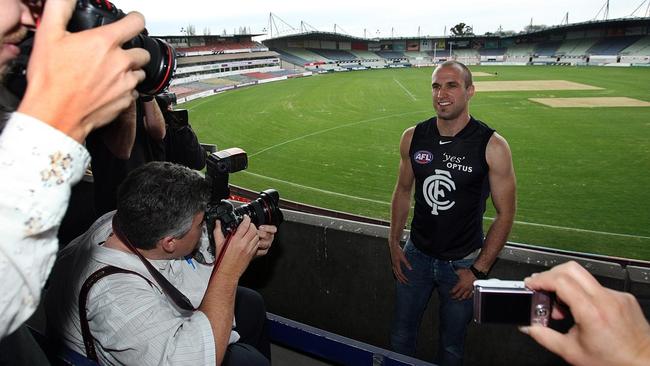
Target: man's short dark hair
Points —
{"points": [[467, 74], [160, 199]]}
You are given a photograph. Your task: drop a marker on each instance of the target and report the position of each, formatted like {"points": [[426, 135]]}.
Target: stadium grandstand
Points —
{"points": [[211, 64], [617, 41]]}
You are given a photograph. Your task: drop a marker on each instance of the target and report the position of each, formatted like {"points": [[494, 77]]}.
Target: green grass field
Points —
{"points": [[583, 174]]}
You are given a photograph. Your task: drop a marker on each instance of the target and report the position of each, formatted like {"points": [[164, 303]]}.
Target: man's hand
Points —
{"points": [[266, 233], [464, 288], [241, 249], [398, 259], [80, 81], [610, 328]]}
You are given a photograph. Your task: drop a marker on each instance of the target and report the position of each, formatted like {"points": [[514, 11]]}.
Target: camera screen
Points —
{"points": [[508, 308]]}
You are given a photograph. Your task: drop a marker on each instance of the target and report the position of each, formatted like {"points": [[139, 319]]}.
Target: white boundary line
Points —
{"points": [[204, 101], [485, 218], [406, 90], [316, 189], [334, 128]]}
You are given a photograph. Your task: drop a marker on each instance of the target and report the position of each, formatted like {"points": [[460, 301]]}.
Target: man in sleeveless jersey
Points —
{"points": [[455, 162]]}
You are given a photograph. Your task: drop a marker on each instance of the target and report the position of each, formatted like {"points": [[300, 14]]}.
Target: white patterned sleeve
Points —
{"points": [[39, 165]]}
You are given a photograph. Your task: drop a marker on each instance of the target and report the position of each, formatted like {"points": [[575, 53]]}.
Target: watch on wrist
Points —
{"points": [[478, 274]]}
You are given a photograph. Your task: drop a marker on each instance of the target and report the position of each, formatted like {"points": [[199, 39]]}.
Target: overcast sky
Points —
{"points": [[378, 18]]}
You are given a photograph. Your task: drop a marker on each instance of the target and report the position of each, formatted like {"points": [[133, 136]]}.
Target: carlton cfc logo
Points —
{"points": [[423, 157], [435, 189]]}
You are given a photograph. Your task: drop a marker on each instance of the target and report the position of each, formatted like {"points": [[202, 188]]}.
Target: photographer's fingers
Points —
{"points": [[55, 18], [243, 227], [219, 239], [124, 29], [247, 235], [573, 285], [553, 340], [137, 59], [546, 280], [266, 233]]}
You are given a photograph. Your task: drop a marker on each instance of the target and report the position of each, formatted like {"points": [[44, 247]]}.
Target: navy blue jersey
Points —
{"points": [[451, 187]]}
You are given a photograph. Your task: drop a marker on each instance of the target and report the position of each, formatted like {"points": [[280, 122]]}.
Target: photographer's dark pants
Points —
{"points": [[253, 348], [21, 349]]}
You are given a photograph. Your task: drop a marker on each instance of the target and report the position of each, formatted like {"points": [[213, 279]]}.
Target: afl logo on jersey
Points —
{"points": [[423, 157]]}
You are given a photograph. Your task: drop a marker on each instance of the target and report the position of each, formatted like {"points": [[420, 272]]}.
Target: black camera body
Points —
{"points": [[162, 65], [263, 210]]}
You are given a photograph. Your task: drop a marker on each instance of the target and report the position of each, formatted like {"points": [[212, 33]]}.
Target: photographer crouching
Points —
{"points": [[141, 287]]}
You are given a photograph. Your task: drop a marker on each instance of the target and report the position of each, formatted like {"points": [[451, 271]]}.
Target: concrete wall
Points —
{"points": [[336, 275]]}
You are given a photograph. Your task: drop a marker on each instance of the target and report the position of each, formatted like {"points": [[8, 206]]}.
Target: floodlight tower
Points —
{"points": [[644, 14], [565, 20], [606, 12]]}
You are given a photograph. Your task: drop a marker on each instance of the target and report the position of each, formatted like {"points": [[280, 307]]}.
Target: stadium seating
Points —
{"points": [[364, 55], [338, 55], [389, 55], [222, 47], [290, 57], [241, 78], [640, 47], [575, 47], [612, 46], [490, 51], [466, 56], [306, 54], [547, 48], [520, 50]]}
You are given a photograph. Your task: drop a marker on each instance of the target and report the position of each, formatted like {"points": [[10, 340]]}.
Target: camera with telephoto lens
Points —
{"points": [[162, 65], [263, 210]]}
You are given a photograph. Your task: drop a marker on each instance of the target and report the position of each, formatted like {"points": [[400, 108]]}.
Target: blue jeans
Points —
{"points": [[412, 298]]}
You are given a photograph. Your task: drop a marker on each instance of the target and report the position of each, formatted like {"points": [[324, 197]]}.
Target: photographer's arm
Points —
{"points": [[154, 122], [81, 97], [400, 205], [219, 301], [503, 192], [119, 136], [40, 163], [610, 328]]}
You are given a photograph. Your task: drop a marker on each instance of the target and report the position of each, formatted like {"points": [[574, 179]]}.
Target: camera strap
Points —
{"points": [[172, 292], [88, 340]]}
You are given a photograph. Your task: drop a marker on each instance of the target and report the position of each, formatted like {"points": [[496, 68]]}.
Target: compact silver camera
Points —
{"points": [[510, 302]]}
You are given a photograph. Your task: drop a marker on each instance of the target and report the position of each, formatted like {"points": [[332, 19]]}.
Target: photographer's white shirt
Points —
{"points": [[39, 165], [131, 320]]}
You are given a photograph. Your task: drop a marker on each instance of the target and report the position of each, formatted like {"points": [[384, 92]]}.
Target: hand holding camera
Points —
{"points": [[242, 247], [76, 97], [610, 328]]}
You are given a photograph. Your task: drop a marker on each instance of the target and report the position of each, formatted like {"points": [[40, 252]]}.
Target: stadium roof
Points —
{"points": [[592, 24], [330, 36], [325, 36]]}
